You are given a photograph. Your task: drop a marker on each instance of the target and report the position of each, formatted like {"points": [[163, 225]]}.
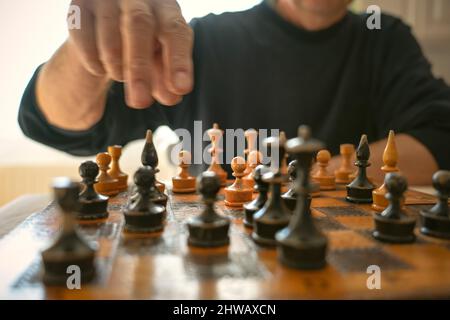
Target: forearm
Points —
{"points": [[68, 95], [415, 162]]}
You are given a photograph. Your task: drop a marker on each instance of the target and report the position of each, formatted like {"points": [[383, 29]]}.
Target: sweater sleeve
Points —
{"points": [[119, 124], [408, 98]]}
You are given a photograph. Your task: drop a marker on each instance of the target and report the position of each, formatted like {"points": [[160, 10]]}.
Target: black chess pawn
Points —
{"points": [[209, 229], [92, 204], [142, 215], [70, 249], [436, 221], [360, 189], [392, 224], [290, 196], [274, 216], [301, 245], [258, 203]]}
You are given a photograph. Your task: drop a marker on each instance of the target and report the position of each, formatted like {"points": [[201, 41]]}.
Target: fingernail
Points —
{"points": [[182, 80], [140, 94]]}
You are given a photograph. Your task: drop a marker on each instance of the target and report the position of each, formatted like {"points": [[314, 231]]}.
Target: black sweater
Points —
{"points": [[255, 70]]}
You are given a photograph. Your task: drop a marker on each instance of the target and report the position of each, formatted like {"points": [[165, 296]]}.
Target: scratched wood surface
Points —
{"points": [[162, 266]]}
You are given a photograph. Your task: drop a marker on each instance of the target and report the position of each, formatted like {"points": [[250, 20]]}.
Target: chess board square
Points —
{"points": [[356, 222], [343, 211], [346, 239], [357, 260], [328, 224]]}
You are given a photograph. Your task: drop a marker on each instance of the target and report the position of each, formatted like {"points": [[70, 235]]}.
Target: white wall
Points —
{"points": [[31, 30]]}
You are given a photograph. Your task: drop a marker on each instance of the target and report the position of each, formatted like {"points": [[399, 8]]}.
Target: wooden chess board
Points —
{"points": [[162, 266]]}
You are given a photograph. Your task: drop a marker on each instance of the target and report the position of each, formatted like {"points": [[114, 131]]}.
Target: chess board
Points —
{"points": [[162, 266]]}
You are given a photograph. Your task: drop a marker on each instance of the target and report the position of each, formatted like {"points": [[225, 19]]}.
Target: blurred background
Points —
{"points": [[32, 30]]}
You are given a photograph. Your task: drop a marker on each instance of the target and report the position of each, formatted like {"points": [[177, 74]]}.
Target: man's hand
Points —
{"points": [[145, 43]]}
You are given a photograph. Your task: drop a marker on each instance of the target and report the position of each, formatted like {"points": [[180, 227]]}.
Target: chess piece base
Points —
{"points": [[187, 185], [379, 200], [342, 177], [249, 183], [264, 232], [394, 231], [107, 188], [139, 222], [68, 250], [435, 226], [93, 210], [208, 234], [359, 195], [160, 186], [123, 182], [300, 255], [237, 198]]}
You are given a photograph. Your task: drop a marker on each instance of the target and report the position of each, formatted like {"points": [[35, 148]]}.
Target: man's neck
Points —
{"points": [[305, 19]]}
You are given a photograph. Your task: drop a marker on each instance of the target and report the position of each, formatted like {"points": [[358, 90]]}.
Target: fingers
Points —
{"points": [[109, 42], [138, 34], [85, 41], [176, 38]]}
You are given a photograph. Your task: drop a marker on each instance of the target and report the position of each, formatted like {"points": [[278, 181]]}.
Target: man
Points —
{"points": [[278, 65]]}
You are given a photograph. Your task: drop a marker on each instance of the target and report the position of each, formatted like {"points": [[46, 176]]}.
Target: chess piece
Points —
{"points": [[215, 135], [346, 169], [69, 249], [258, 203], [253, 160], [142, 215], [360, 189], [106, 185], [116, 152], [251, 135], [209, 229], [290, 196], [390, 157], [238, 194], [301, 245], [92, 205], [184, 182], [393, 225], [436, 221], [326, 180], [149, 157], [283, 164], [274, 216]]}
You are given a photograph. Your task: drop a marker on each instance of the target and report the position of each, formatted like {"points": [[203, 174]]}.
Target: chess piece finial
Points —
{"points": [[115, 172], [257, 204], [142, 215], [209, 229], [345, 170], [184, 182], [238, 193], [92, 204], [69, 248], [390, 157], [215, 134], [301, 245], [325, 179], [393, 225], [149, 157], [360, 189], [436, 221], [106, 184], [254, 159], [274, 216]]}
